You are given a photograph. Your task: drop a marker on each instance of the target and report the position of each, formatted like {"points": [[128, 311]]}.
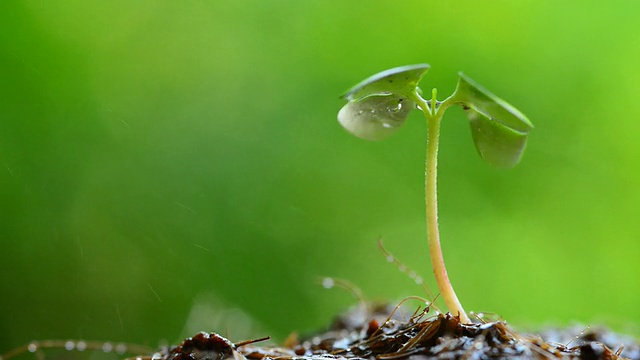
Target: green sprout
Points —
{"points": [[379, 105]]}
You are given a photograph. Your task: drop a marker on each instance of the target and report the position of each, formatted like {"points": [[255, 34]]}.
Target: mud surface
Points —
{"points": [[371, 332], [374, 334]]}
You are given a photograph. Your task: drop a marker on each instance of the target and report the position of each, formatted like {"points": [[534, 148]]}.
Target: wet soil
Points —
{"points": [[379, 332]]}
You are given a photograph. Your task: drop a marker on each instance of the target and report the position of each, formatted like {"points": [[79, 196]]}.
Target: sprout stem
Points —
{"points": [[434, 116]]}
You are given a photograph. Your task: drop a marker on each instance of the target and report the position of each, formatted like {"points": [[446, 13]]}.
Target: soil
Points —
{"points": [[379, 332], [372, 333]]}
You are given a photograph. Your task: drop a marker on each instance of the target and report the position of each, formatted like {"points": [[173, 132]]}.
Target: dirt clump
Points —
{"points": [[371, 333]]}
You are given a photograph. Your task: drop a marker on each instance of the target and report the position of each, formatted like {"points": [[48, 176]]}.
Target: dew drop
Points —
{"points": [[328, 283], [396, 108], [81, 346], [33, 347], [390, 258], [69, 345], [121, 349], [107, 347]]}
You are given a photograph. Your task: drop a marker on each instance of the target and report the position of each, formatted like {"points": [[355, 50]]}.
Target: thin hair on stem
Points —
{"points": [[413, 275]]}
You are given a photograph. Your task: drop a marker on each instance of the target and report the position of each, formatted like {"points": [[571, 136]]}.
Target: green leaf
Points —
{"points": [[401, 80], [499, 130], [497, 144], [379, 105], [375, 117]]}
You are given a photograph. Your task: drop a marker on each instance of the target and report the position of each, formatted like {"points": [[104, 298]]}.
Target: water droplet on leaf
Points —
{"points": [[328, 283], [107, 347]]}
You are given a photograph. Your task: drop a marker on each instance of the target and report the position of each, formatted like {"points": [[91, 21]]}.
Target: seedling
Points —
{"points": [[379, 105]]}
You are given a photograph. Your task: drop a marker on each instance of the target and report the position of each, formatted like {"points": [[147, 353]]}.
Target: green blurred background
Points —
{"points": [[168, 167]]}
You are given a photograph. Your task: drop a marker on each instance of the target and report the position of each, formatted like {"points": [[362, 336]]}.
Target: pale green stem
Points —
{"points": [[434, 116]]}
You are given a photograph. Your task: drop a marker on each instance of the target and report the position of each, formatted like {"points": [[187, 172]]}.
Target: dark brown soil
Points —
{"points": [[381, 333], [372, 334]]}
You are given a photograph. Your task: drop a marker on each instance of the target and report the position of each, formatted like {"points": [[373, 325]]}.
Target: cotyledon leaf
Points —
{"points": [[497, 144], [499, 130], [379, 105], [375, 117], [402, 80]]}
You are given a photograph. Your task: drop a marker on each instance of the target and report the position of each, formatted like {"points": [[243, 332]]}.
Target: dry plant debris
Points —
{"points": [[374, 334]]}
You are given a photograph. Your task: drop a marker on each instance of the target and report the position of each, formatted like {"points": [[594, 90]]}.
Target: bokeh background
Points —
{"points": [[170, 167]]}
